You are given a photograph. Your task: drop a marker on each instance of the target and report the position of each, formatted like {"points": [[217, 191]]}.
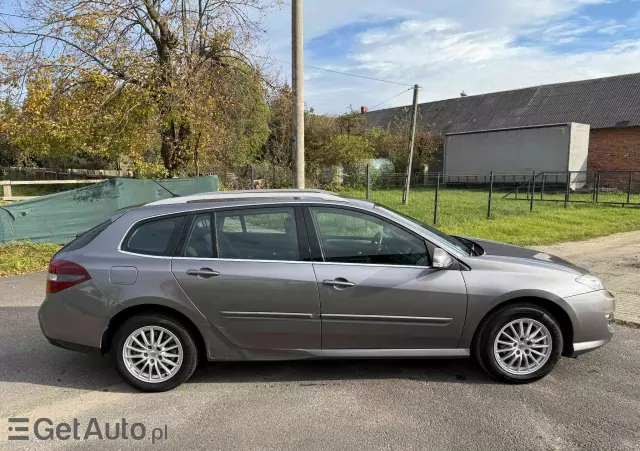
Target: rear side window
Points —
{"points": [[258, 234], [85, 238], [199, 242], [157, 237]]}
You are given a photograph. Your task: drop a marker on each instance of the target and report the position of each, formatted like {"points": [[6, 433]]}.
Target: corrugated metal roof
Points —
{"points": [[602, 103]]}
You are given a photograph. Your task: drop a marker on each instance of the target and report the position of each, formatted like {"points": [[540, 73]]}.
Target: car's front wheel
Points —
{"points": [[154, 352], [519, 343]]}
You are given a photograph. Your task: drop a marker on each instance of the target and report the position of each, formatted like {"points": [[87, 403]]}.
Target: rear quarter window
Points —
{"points": [[87, 237], [157, 237]]}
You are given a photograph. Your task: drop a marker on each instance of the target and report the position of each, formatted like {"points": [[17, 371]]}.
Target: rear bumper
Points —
{"points": [[593, 315], [76, 318], [74, 346]]}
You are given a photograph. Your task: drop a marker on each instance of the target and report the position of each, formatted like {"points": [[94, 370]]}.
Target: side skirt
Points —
{"points": [[389, 353], [301, 354]]}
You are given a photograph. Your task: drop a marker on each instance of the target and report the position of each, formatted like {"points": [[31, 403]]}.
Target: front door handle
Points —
{"points": [[338, 283], [204, 273]]}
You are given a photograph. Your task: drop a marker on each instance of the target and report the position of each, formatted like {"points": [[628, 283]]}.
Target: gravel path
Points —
{"points": [[616, 260]]}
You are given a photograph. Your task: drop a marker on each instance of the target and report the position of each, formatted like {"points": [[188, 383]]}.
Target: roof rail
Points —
{"points": [[251, 194]]}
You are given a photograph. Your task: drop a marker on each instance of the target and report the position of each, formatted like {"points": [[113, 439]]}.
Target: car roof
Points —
{"points": [[295, 194], [226, 199]]}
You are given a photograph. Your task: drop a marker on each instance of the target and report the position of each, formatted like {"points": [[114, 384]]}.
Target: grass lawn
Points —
{"points": [[464, 212], [25, 257]]}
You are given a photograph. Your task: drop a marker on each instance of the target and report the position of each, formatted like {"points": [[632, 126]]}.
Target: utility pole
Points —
{"points": [[412, 141], [298, 93]]}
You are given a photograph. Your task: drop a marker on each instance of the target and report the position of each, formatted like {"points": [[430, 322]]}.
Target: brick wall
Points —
{"points": [[614, 149]]}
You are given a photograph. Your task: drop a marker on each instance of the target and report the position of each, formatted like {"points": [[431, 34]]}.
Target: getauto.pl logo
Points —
{"points": [[46, 429]]}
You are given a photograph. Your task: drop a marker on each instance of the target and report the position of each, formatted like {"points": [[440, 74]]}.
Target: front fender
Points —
{"points": [[482, 304]]}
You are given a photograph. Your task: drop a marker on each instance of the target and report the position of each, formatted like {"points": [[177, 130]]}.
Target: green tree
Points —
{"points": [[392, 142], [184, 60], [278, 149]]}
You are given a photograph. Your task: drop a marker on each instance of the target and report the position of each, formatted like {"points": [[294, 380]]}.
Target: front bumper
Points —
{"points": [[592, 323], [586, 346]]}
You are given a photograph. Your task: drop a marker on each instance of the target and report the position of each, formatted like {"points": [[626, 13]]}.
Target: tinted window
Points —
{"points": [[199, 242], [156, 237], [258, 234], [461, 246], [85, 238], [348, 236]]}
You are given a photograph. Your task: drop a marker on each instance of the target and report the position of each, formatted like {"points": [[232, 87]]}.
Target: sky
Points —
{"points": [[475, 46]]}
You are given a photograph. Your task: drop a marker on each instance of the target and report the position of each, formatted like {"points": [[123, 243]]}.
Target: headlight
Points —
{"points": [[591, 281]]}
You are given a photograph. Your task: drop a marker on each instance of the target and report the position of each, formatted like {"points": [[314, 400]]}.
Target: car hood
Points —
{"points": [[497, 251]]}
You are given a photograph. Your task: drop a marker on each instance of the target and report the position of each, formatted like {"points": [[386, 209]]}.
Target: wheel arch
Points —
{"points": [[559, 313], [141, 309]]}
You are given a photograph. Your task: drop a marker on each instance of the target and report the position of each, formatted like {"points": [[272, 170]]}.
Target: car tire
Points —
{"points": [[164, 371], [507, 350]]}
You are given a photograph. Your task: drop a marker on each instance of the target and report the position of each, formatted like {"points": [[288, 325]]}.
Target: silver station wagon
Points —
{"points": [[264, 275]]}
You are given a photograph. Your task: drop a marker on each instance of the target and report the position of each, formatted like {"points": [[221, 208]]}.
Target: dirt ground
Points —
{"points": [[616, 260]]}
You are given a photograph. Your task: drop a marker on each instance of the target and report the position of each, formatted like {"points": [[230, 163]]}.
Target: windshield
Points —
{"points": [[459, 245]]}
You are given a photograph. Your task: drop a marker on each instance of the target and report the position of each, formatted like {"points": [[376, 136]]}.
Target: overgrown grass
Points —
{"points": [[464, 212], [25, 257]]}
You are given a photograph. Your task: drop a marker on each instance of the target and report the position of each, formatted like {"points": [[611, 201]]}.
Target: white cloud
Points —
{"points": [[452, 46]]}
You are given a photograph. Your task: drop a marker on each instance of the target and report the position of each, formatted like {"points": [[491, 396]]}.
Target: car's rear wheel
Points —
{"points": [[154, 352], [519, 343]]}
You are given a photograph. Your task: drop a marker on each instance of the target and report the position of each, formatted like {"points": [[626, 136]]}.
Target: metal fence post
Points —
{"points": [[566, 190], [597, 186], [252, 176], [533, 191], [490, 194], [629, 188], [435, 207], [368, 181], [544, 176]]}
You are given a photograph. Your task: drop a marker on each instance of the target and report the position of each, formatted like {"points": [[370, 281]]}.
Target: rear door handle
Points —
{"points": [[204, 273], [338, 283]]}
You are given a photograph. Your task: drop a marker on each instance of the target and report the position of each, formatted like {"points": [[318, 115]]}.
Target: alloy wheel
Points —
{"points": [[522, 346], [152, 354]]}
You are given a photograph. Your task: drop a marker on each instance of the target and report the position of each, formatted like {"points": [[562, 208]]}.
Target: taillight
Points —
{"points": [[64, 274]]}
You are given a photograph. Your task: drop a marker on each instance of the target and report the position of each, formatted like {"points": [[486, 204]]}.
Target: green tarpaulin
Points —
{"points": [[58, 218]]}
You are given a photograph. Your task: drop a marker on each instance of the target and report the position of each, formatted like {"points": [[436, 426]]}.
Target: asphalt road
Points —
{"points": [[592, 403]]}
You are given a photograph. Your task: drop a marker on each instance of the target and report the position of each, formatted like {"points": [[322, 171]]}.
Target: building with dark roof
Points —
{"points": [[611, 106]]}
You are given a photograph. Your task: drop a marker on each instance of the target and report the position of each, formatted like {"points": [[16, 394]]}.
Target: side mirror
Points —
{"points": [[441, 259]]}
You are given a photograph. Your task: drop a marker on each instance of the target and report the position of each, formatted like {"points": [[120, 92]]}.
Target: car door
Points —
{"points": [[377, 288], [245, 270]]}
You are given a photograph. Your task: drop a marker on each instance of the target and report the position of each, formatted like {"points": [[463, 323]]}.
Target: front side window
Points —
{"points": [[157, 237], [348, 236], [258, 234], [459, 245]]}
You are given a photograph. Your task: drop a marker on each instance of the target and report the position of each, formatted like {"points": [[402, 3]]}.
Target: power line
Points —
{"points": [[337, 71], [389, 100], [357, 76]]}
